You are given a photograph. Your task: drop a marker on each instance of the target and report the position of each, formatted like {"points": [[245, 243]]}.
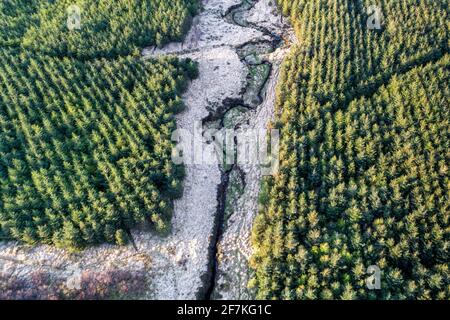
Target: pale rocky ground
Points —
{"points": [[235, 247], [209, 30], [178, 263]]}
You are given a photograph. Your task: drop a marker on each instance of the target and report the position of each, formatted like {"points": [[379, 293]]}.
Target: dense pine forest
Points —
{"points": [[85, 123], [364, 178], [107, 28]]}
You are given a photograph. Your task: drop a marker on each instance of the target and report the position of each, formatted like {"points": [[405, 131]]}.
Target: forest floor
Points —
{"points": [[203, 256]]}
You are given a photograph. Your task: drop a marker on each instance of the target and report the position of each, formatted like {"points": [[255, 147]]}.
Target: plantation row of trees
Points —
{"points": [[364, 179], [107, 28], [85, 141], [85, 146], [15, 18]]}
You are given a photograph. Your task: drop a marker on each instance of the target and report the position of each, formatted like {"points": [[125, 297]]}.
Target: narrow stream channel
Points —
{"points": [[229, 116]]}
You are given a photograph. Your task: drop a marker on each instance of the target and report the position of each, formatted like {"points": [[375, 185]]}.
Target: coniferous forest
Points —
{"points": [[109, 28], [364, 175], [85, 123], [362, 106]]}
